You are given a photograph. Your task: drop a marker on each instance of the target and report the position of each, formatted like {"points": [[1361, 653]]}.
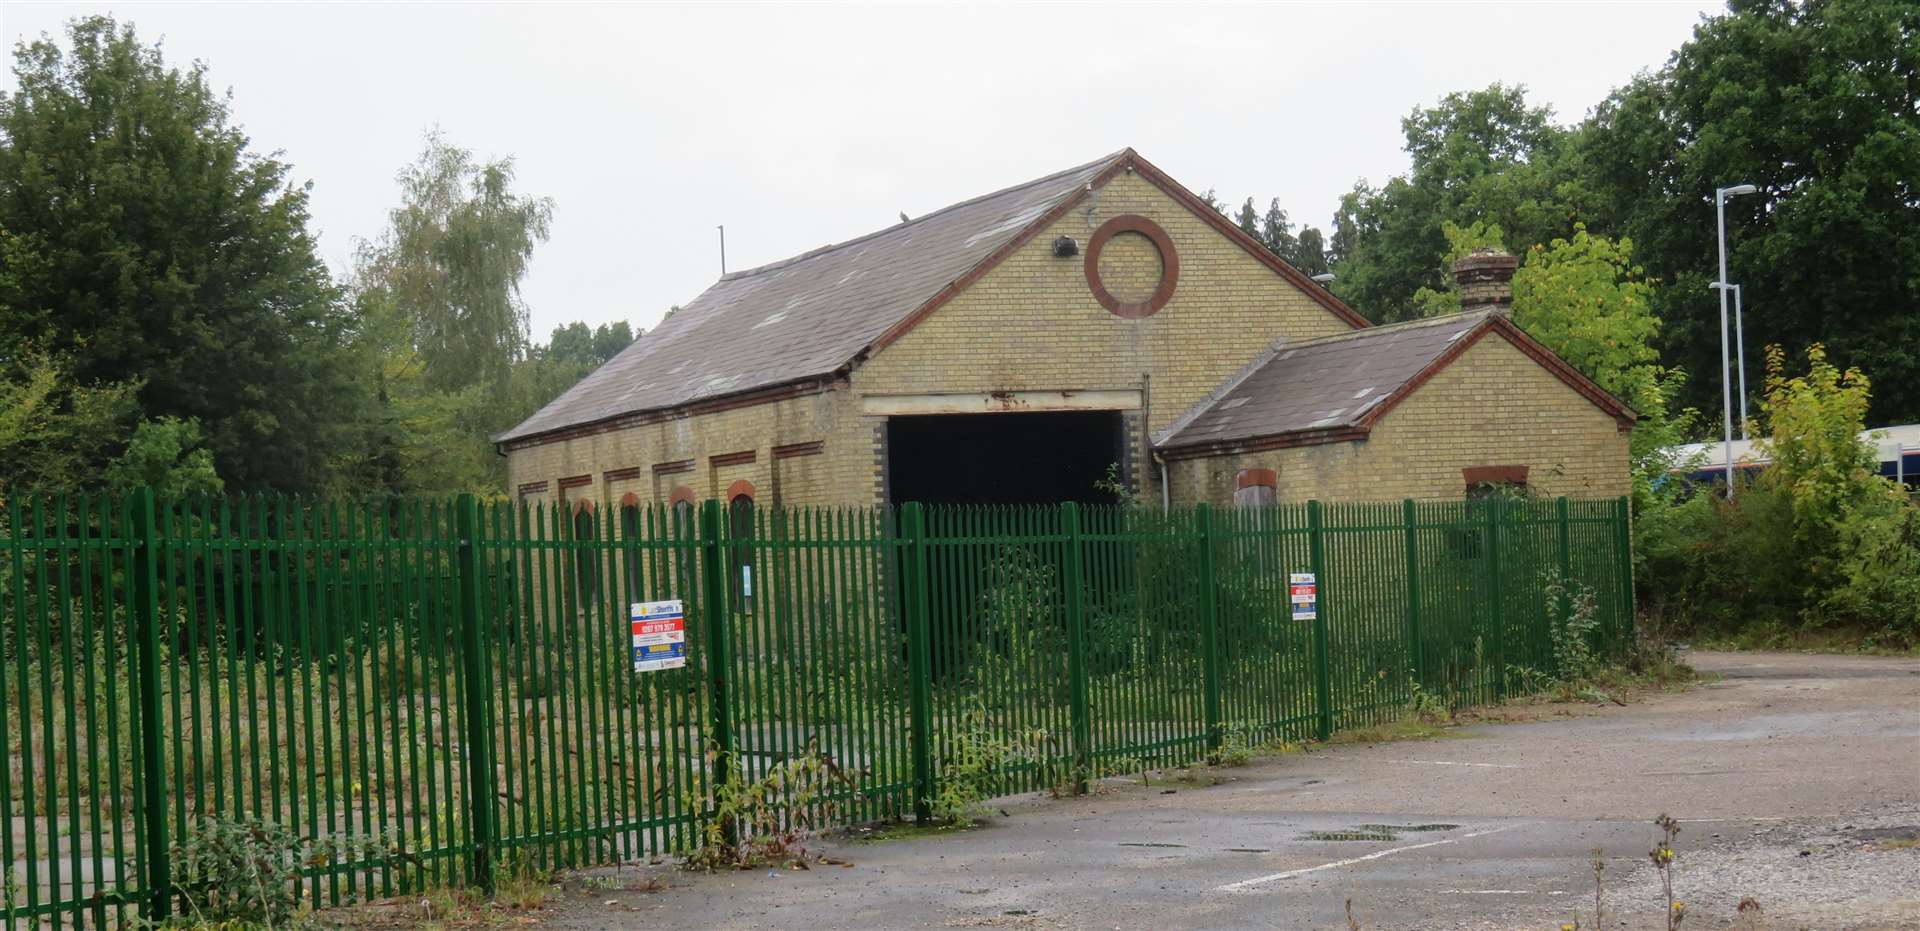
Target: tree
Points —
{"points": [[444, 346], [1310, 252], [164, 455], [1817, 103], [1483, 156], [55, 435], [576, 343], [149, 245], [452, 259], [1248, 219]]}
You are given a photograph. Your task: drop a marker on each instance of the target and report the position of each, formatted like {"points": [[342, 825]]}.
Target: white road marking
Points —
{"points": [[1246, 884], [1458, 763]]}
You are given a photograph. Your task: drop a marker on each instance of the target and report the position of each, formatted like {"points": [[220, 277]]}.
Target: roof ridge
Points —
{"points": [[833, 246]]}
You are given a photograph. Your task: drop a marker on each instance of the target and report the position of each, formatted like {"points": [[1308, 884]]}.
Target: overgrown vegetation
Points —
{"points": [[973, 764], [247, 872], [744, 822], [1816, 543]]}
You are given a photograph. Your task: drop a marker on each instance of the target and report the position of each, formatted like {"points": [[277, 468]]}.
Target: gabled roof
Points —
{"points": [[812, 316], [1336, 387]]}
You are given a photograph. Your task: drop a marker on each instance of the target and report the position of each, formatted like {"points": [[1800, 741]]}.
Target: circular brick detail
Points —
{"points": [[1134, 299]]}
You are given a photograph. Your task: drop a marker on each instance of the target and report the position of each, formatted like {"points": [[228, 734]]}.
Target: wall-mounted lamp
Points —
{"points": [[1065, 247]]}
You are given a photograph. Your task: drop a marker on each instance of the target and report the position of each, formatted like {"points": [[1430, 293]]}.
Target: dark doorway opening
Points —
{"points": [[1041, 458]]}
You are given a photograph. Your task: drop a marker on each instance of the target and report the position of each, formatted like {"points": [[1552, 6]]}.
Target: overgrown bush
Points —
{"points": [[247, 871], [1817, 541]]}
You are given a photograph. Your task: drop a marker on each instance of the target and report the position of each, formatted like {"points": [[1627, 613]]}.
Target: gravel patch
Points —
{"points": [[1827, 874]]}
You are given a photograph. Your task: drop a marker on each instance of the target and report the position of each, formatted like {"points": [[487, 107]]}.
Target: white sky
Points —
{"points": [[797, 126]]}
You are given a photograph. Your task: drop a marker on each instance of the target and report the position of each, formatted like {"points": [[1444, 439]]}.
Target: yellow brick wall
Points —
{"points": [[840, 474], [1494, 406], [1032, 323]]}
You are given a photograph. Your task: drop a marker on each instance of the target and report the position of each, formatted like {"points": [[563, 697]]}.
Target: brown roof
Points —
{"points": [[1334, 388], [812, 316], [809, 315]]}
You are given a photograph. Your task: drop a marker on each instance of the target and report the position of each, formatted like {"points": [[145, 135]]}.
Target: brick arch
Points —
{"points": [[584, 506], [681, 495], [739, 488], [629, 500]]}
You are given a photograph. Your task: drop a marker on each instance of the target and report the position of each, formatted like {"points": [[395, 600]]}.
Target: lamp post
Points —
{"points": [[1720, 196], [1739, 355]]}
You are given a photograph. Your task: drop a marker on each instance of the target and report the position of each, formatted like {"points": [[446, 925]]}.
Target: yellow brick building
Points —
{"points": [[1024, 345]]}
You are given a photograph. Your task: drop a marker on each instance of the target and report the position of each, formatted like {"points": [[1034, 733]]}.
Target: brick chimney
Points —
{"points": [[1485, 277]]}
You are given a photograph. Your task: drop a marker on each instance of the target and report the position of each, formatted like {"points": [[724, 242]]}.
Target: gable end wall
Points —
{"points": [[1493, 406]]}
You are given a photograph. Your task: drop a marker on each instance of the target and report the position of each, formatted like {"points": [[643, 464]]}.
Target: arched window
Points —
{"points": [[740, 530], [630, 558], [586, 556]]}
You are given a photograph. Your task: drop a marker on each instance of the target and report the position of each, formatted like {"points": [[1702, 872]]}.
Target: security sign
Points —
{"points": [[659, 635], [1304, 592]]}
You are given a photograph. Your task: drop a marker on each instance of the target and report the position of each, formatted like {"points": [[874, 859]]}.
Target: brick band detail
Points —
{"points": [[1256, 478], [1495, 475]]}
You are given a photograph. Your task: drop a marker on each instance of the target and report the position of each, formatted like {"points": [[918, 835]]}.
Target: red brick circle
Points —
{"points": [[1169, 266]]}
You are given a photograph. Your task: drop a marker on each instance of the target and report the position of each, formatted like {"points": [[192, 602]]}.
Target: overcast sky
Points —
{"points": [[798, 126]]}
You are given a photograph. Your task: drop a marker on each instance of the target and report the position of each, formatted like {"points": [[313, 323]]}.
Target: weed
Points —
{"points": [[1572, 627], [1662, 857], [1236, 746], [1426, 705], [1408, 728], [972, 763], [746, 823], [247, 871]]}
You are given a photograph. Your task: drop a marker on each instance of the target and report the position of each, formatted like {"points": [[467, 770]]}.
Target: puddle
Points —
{"points": [[1376, 832], [1400, 828]]}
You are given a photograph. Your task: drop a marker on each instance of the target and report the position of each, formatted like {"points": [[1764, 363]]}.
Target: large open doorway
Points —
{"points": [[1040, 458]]}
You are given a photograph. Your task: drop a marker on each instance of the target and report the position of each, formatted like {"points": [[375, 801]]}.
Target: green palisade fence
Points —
{"points": [[455, 677]]}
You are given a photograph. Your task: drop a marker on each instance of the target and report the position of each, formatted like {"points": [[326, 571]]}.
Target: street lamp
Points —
{"points": [[1739, 355], [1720, 196]]}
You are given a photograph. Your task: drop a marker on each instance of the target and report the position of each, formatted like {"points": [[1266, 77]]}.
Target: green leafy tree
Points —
{"points": [[55, 435], [165, 455], [443, 346], [455, 252], [1248, 219], [148, 244], [1817, 103], [1814, 424], [578, 344], [1485, 156]]}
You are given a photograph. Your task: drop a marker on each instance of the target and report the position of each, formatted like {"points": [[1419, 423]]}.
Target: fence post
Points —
{"points": [[146, 633], [1564, 519], [478, 706], [1209, 630], [713, 604], [919, 657], [1416, 650], [1623, 547], [1322, 671], [1495, 602], [1076, 649]]}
